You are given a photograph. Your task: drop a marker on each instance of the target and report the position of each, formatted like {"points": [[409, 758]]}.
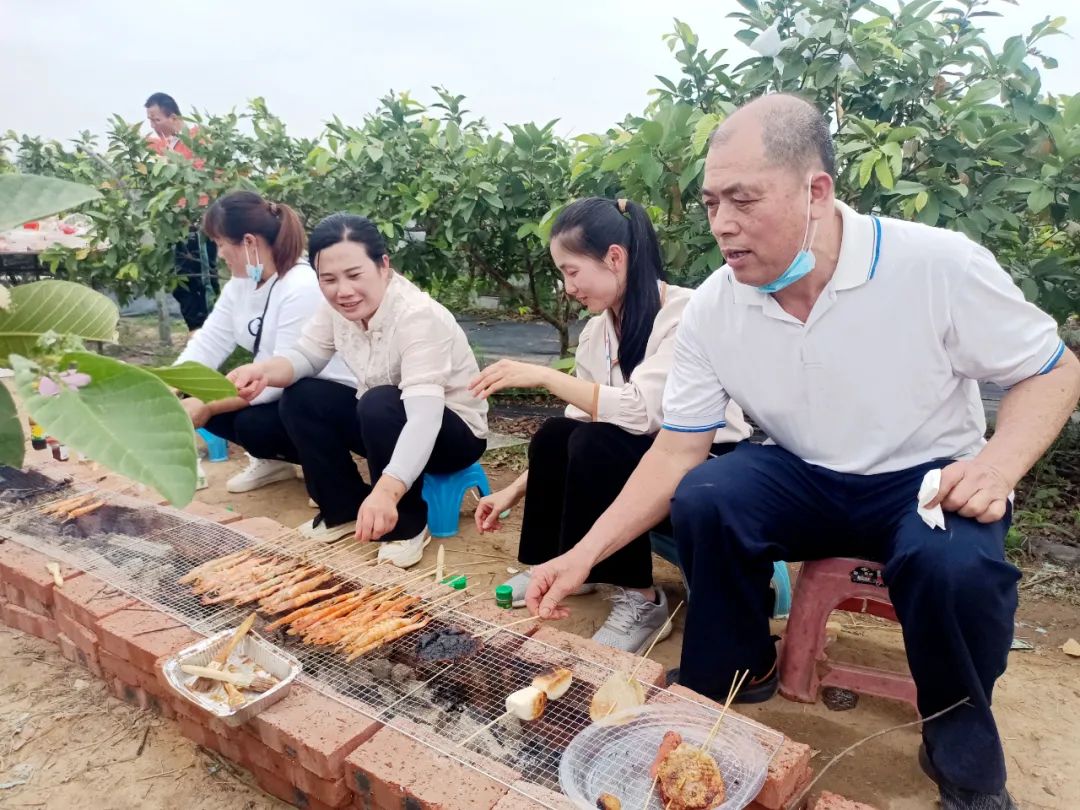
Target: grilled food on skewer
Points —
{"points": [[554, 682], [617, 694], [688, 778]]}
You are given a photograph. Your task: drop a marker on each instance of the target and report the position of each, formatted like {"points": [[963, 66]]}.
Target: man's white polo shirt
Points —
{"points": [[882, 376]]}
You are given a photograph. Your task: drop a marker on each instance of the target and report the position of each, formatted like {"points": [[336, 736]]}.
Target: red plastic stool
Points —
{"points": [[822, 587]]}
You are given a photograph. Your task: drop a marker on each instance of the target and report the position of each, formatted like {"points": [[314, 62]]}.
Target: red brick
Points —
{"points": [[314, 730], [72, 652], [139, 697], [277, 785], [211, 512], [25, 569], [85, 640], [651, 672], [331, 792], [391, 768], [87, 600], [261, 528], [833, 801], [31, 623], [787, 773], [118, 668], [259, 755], [528, 796], [17, 597], [141, 636]]}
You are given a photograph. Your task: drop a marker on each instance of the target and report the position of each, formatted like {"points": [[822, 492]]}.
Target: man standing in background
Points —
{"points": [[163, 113]]}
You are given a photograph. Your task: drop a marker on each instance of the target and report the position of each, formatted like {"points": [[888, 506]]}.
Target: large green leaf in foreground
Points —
{"points": [[196, 380], [26, 197], [126, 419], [62, 307], [12, 443]]}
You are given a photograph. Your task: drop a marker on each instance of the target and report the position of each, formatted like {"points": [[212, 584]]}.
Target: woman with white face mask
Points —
{"points": [[415, 413], [262, 308], [609, 257]]}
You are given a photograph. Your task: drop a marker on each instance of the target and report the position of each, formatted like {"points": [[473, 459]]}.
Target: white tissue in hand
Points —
{"points": [[931, 483]]}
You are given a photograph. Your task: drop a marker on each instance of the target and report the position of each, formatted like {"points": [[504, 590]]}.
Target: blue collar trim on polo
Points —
{"points": [[860, 254]]}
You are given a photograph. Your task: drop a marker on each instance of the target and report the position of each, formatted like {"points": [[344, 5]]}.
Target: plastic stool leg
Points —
{"points": [[216, 447], [781, 583]]}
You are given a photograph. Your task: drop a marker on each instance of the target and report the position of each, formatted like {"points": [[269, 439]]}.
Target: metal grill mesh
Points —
{"points": [[143, 551]]}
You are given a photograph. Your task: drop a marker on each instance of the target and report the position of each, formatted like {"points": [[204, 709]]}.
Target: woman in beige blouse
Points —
{"points": [[415, 413], [609, 256]]}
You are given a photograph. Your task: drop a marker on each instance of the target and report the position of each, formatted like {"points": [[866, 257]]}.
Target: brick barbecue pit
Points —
{"points": [[384, 731]]}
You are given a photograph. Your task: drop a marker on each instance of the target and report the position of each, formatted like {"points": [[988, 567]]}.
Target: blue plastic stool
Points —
{"points": [[216, 447], [664, 546], [443, 494]]}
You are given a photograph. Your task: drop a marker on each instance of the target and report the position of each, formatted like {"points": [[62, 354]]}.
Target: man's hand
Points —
{"points": [[554, 581], [508, 374], [197, 410], [973, 489]]}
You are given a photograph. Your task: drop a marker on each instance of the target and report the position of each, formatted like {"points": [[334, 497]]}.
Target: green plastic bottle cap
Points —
{"points": [[504, 596], [457, 583]]}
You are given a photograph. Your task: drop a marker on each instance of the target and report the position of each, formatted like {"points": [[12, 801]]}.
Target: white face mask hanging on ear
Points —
{"points": [[254, 271]]}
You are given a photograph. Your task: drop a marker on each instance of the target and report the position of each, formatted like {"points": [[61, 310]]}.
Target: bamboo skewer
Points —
{"points": [[652, 790], [219, 660], [480, 731], [487, 634], [659, 634], [735, 687]]}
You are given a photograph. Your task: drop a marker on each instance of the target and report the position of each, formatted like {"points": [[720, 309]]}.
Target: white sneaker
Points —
{"points": [[634, 621], [519, 584], [312, 504], [316, 529], [200, 475], [404, 553], [260, 472]]}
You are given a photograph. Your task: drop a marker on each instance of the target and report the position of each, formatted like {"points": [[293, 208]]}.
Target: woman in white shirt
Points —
{"points": [[415, 414], [262, 308], [609, 257]]}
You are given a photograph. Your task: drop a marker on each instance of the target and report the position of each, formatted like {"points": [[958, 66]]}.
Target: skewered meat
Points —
{"points": [[688, 778], [356, 622], [671, 741], [554, 682]]}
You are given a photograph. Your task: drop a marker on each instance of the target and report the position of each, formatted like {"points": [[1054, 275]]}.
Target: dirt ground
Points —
{"points": [[83, 745]]}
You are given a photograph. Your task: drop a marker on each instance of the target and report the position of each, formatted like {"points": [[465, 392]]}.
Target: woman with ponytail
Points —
{"points": [[271, 295], [609, 257]]}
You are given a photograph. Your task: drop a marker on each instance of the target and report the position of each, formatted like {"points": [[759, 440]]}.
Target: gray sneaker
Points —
{"points": [[634, 621], [520, 584]]}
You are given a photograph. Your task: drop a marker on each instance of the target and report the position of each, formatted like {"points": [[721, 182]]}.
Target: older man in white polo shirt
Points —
{"points": [[856, 343]]}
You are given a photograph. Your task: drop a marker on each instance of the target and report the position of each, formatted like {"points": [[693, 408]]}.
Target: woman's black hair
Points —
{"points": [[346, 227], [592, 225], [243, 212]]}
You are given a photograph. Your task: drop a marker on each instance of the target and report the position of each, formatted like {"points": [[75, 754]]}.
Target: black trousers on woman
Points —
{"points": [[576, 470], [259, 430], [326, 424]]}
